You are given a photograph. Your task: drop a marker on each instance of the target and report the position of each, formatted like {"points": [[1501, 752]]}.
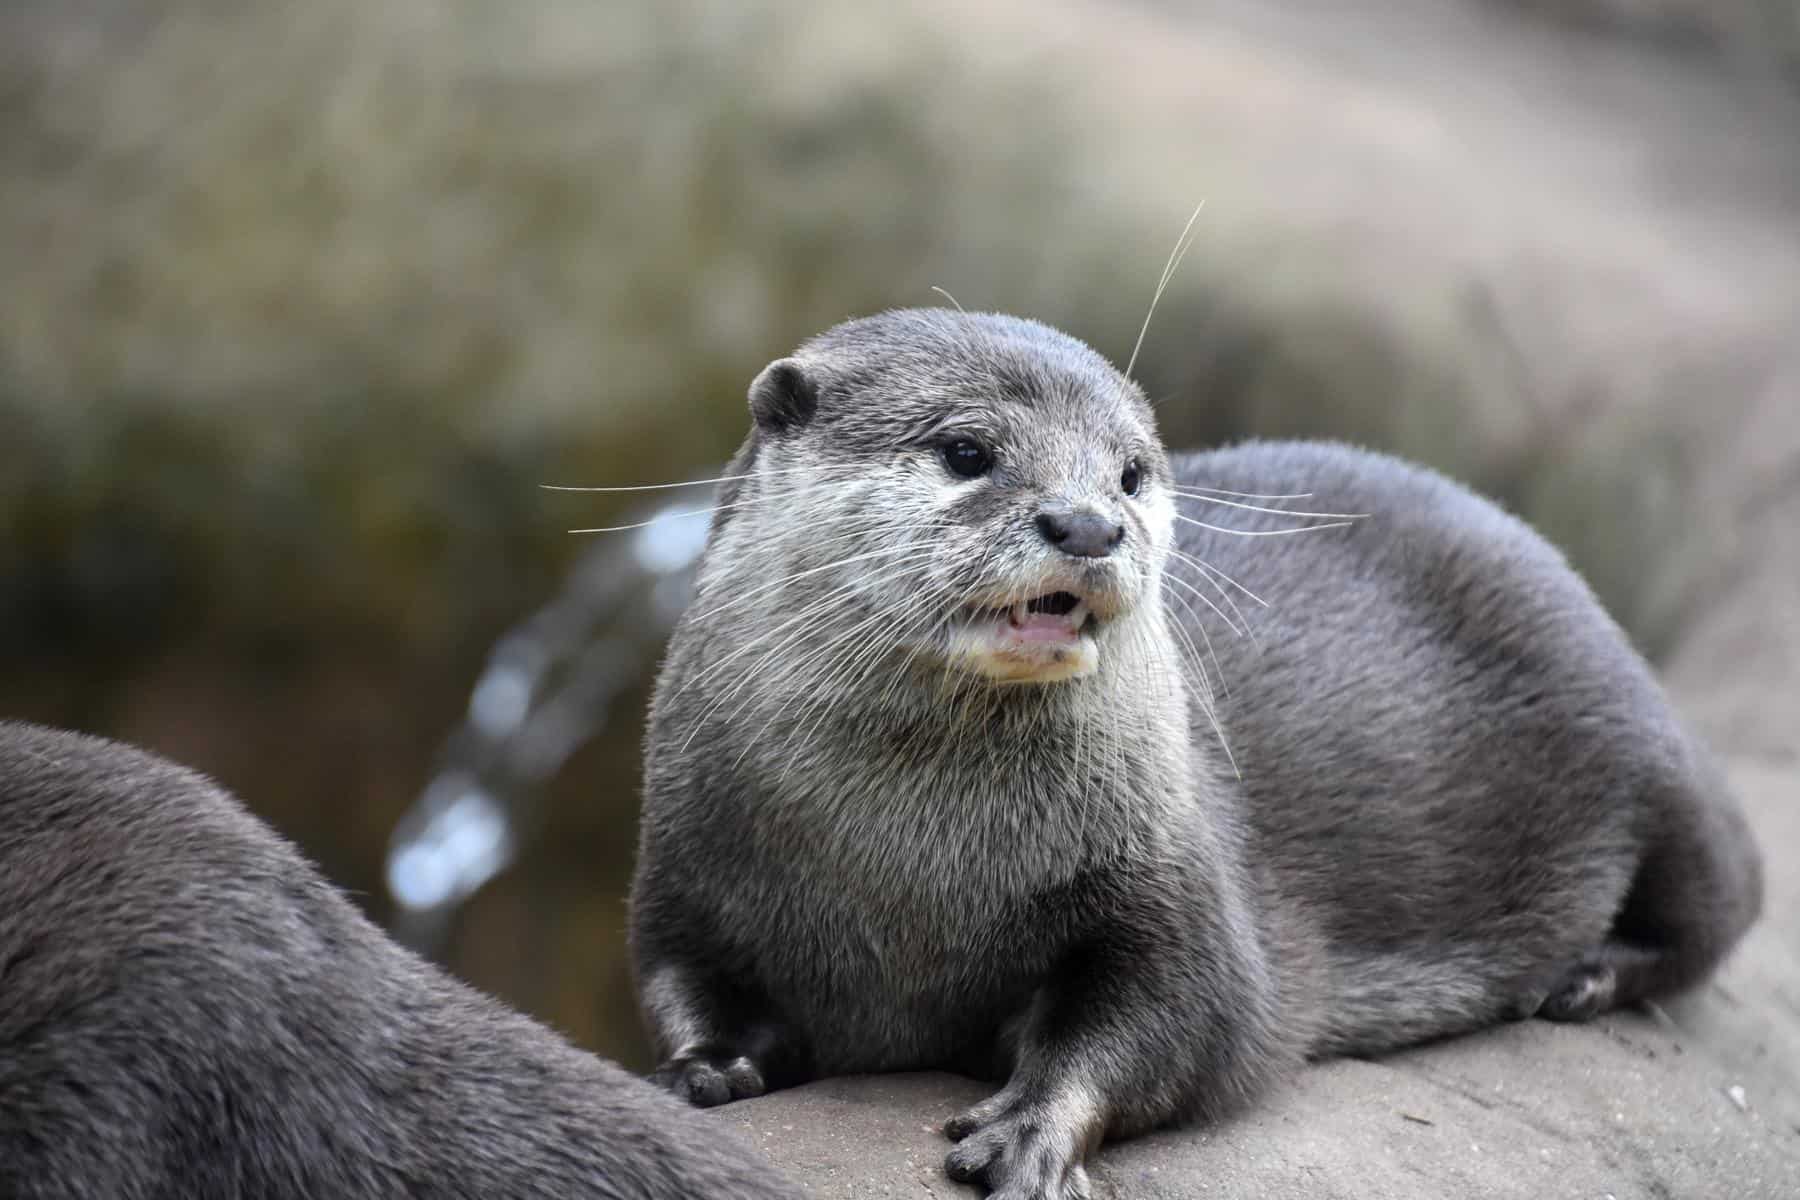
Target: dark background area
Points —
{"points": [[300, 304]]}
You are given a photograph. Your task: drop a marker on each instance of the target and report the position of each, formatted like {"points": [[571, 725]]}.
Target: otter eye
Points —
{"points": [[966, 458], [1131, 478]]}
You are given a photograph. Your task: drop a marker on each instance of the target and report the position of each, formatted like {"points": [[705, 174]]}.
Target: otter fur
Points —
{"points": [[996, 739], [189, 1012]]}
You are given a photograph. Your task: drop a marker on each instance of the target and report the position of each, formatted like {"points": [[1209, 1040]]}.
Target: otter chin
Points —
{"points": [[1047, 638], [1415, 783]]}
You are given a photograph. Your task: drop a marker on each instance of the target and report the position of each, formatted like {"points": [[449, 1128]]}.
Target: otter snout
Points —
{"points": [[1082, 534]]}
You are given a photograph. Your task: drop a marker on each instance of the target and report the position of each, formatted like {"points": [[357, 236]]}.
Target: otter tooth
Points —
{"points": [[1020, 611]]}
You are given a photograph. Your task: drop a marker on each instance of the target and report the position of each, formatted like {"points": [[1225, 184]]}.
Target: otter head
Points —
{"points": [[980, 492]]}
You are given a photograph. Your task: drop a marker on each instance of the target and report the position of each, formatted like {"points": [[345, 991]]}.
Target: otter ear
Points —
{"points": [[783, 396]]}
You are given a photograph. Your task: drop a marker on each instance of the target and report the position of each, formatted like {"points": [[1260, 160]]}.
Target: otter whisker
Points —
{"points": [[1207, 600], [1182, 245], [913, 554], [970, 687], [744, 597], [843, 668], [1208, 693], [757, 668], [1282, 512], [1205, 697], [779, 483], [872, 655], [1202, 564], [960, 730], [1237, 611], [701, 512], [803, 680], [644, 487], [895, 559], [656, 520], [657, 487], [1264, 532], [840, 654], [1193, 657], [898, 571], [1212, 718], [819, 605], [1189, 680], [946, 616]]}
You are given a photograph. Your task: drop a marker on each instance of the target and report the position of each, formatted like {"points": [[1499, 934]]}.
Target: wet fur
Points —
{"points": [[188, 1010], [1459, 795]]}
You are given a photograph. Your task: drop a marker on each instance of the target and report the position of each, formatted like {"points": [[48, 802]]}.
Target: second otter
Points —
{"points": [[188, 1010], [936, 778]]}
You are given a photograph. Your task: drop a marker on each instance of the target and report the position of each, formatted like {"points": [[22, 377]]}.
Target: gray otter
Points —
{"points": [[188, 1010], [931, 781]]}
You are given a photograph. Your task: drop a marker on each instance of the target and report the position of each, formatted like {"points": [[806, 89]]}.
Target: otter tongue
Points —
{"points": [[1038, 626]]}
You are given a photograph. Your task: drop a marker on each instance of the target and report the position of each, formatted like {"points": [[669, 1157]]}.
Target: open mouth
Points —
{"points": [[1038, 639], [1052, 617]]}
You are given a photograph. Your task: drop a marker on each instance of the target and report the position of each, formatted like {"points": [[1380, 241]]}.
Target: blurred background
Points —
{"points": [[300, 304]]}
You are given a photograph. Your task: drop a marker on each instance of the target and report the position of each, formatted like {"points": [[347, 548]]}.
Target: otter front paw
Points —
{"points": [[707, 1078], [1021, 1150]]}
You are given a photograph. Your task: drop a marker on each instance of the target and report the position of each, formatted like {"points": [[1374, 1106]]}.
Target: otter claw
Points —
{"points": [[963, 1124]]}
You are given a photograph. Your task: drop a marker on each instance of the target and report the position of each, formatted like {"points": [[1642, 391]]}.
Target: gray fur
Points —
{"points": [[188, 1010], [1453, 793]]}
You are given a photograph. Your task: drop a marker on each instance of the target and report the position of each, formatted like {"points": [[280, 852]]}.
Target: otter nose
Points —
{"points": [[1085, 535]]}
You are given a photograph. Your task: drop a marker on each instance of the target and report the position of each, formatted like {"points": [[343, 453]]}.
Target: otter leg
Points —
{"points": [[1164, 1011], [1692, 897], [714, 1047], [1618, 975]]}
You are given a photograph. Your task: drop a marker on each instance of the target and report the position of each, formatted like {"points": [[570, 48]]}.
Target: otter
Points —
{"points": [[995, 739], [187, 1009]]}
